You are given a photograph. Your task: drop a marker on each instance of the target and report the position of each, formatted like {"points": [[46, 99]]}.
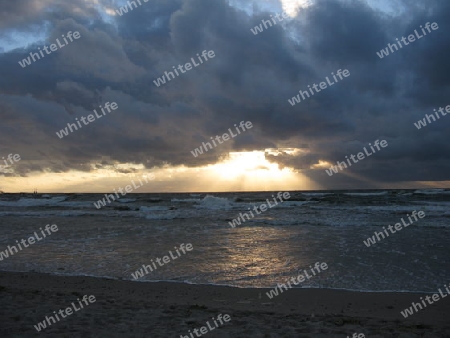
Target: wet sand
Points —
{"points": [[137, 309]]}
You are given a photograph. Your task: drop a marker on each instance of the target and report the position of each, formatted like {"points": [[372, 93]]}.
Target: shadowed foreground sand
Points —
{"points": [[134, 309]]}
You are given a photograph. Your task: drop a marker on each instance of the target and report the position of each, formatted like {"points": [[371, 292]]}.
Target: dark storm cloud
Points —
{"points": [[251, 78], [18, 14]]}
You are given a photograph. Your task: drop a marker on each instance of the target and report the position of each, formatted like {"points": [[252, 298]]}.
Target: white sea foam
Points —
{"points": [[290, 204], [47, 213], [185, 200], [381, 193], [126, 200], [432, 192], [212, 202], [33, 202], [75, 204], [153, 209]]}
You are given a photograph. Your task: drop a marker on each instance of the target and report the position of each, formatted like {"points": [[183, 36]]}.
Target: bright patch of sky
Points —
{"points": [[13, 39], [391, 7]]}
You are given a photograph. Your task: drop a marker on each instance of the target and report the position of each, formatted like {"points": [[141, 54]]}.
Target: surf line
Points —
{"points": [[166, 259]]}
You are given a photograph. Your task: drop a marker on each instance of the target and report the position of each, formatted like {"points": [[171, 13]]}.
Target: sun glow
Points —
{"points": [[251, 171], [237, 171], [292, 7], [252, 164]]}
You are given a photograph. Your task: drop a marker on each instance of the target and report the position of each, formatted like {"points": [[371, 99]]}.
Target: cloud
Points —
{"points": [[251, 78]]}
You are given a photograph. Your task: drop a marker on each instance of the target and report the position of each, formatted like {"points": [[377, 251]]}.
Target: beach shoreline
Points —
{"points": [[165, 309]]}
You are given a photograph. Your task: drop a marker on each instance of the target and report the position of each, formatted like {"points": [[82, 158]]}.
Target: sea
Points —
{"points": [[311, 226]]}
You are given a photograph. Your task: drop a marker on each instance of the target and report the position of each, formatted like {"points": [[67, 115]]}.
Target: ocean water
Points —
{"points": [[278, 244]]}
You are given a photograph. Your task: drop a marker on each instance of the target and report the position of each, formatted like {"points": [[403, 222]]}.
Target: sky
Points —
{"points": [[117, 58]]}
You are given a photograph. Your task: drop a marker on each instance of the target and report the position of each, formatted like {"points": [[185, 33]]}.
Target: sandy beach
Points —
{"points": [[162, 309]]}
